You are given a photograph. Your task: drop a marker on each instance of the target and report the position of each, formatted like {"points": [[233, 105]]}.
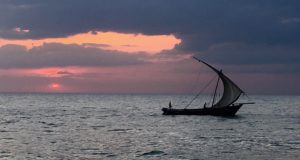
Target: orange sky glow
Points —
{"points": [[55, 79], [124, 42]]}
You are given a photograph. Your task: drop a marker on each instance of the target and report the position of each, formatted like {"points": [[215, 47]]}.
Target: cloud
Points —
{"points": [[60, 55], [290, 20], [64, 73], [200, 24], [245, 54], [21, 30], [220, 19]]}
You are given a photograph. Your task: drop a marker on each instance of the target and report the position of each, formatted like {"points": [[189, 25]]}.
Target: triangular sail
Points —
{"points": [[231, 91], [230, 94]]}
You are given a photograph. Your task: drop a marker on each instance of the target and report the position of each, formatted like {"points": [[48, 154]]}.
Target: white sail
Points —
{"points": [[230, 94], [231, 91]]}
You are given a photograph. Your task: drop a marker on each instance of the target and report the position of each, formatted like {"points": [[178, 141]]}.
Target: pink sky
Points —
{"points": [[149, 77], [128, 63]]}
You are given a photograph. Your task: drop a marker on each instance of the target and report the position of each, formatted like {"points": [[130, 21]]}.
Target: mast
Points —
{"points": [[213, 101]]}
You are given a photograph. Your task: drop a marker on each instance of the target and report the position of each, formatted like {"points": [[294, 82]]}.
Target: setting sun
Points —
{"points": [[55, 85]]}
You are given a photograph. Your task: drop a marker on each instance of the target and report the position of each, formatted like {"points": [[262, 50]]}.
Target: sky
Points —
{"points": [[140, 46]]}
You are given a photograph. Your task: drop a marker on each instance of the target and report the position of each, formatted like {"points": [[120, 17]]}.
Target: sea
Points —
{"points": [[131, 126]]}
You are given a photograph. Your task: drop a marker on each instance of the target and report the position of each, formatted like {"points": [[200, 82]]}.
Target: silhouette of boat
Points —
{"points": [[226, 106]]}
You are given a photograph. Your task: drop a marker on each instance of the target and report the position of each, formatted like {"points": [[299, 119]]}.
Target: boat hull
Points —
{"points": [[225, 111]]}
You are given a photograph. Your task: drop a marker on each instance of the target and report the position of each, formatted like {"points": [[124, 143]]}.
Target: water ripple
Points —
{"points": [[78, 126]]}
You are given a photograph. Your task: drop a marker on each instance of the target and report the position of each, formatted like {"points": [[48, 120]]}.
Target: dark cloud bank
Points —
{"points": [[61, 55], [221, 31]]}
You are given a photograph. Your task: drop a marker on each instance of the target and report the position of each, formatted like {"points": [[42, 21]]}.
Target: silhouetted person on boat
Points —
{"points": [[170, 105], [204, 106]]}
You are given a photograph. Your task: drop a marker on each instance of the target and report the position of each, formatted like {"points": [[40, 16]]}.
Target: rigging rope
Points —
{"points": [[199, 93], [245, 94], [194, 87]]}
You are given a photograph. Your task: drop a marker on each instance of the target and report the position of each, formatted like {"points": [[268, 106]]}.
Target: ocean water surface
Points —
{"points": [[96, 126]]}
